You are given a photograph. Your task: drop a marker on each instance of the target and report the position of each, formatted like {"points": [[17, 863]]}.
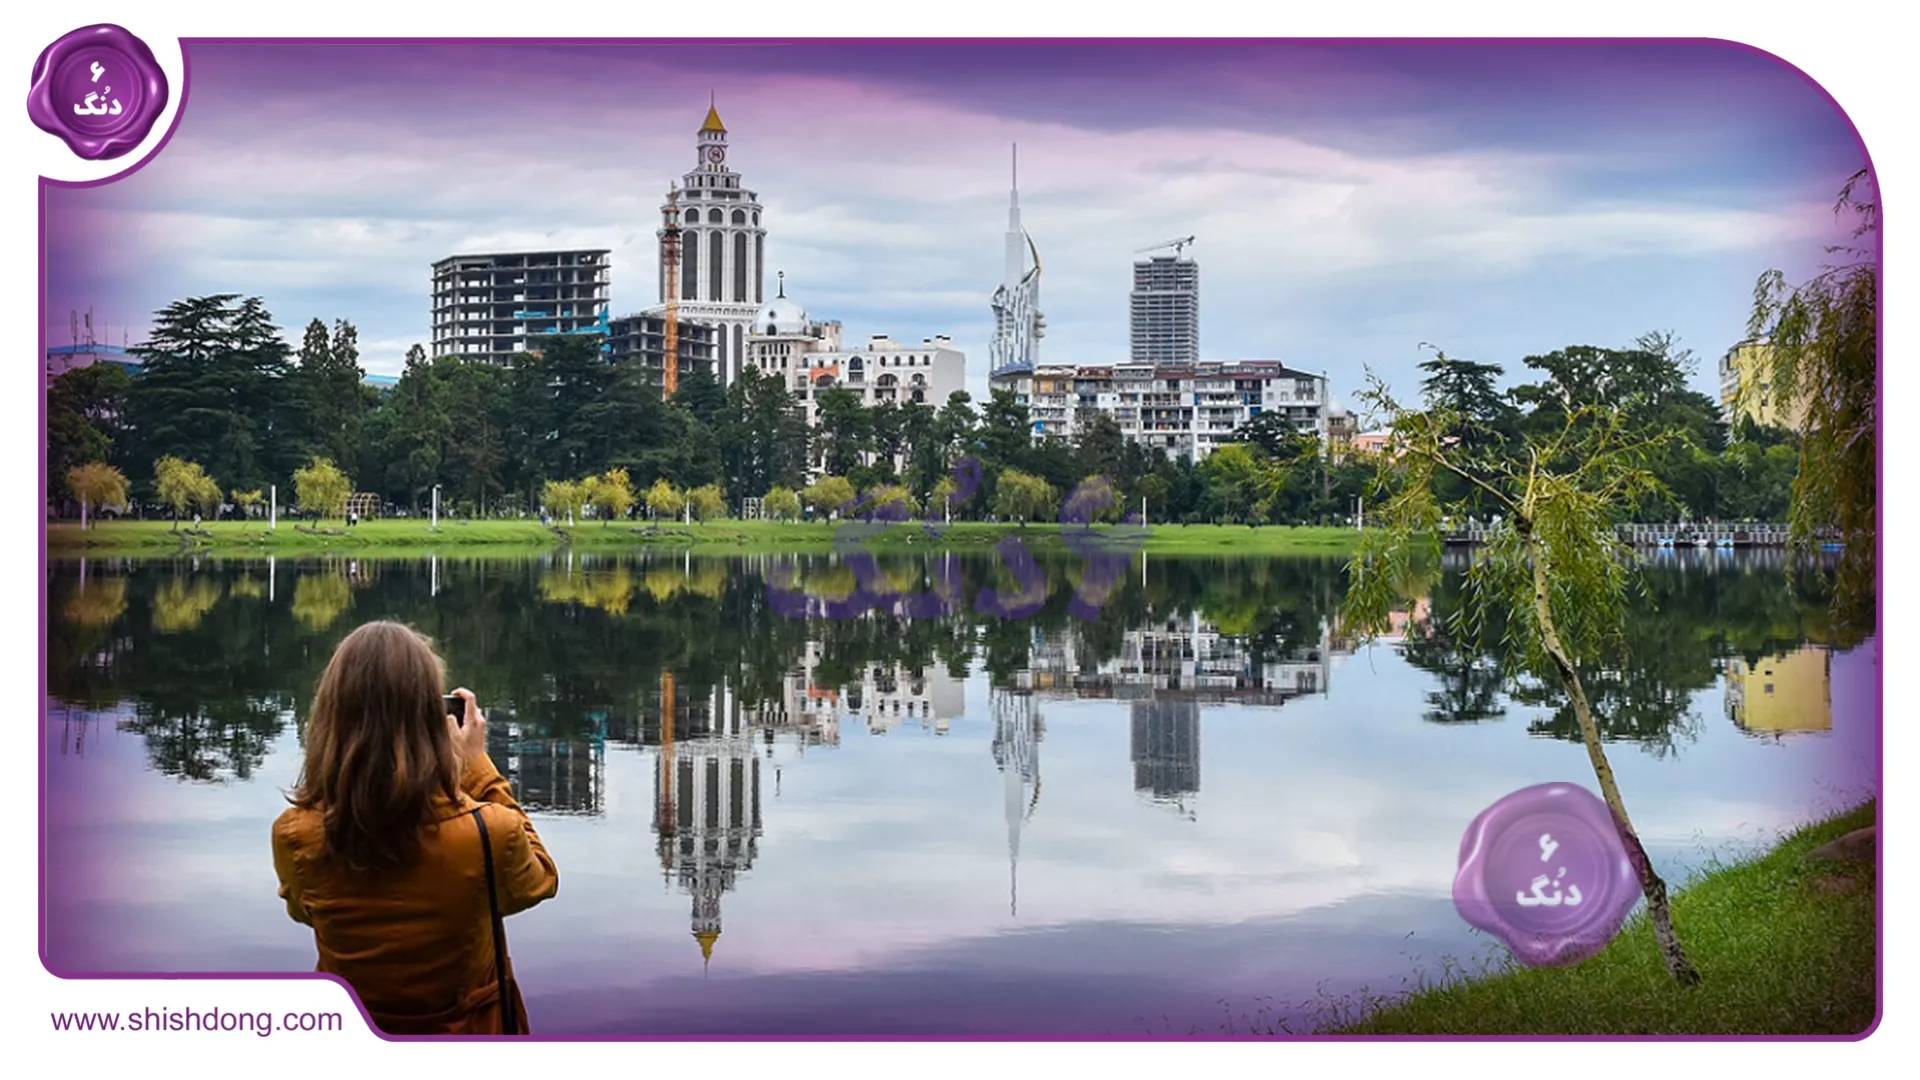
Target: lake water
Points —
{"points": [[1200, 810]]}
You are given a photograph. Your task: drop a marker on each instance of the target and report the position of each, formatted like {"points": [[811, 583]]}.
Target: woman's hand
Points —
{"points": [[470, 738]]}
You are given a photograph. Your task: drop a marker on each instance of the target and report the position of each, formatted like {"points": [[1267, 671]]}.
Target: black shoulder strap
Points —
{"points": [[509, 1019]]}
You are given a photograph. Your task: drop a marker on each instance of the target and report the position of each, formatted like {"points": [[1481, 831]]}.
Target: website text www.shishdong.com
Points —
{"points": [[261, 1023]]}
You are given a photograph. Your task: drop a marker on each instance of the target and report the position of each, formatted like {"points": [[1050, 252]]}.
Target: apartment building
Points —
{"points": [[1188, 410]]}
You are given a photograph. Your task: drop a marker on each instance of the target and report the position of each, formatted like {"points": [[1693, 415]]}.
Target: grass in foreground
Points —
{"points": [[413, 536], [1785, 946]]}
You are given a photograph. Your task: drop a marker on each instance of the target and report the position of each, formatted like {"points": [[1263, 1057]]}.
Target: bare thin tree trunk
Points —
{"points": [[1651, 884]]}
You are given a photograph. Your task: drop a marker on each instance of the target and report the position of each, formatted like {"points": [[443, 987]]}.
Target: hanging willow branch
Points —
{"points": [[1819, 358]]}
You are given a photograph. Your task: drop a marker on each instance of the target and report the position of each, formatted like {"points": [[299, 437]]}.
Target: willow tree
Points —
{"points": [[1821, 360], [1552, 571], [97, 484], [322, 489]]}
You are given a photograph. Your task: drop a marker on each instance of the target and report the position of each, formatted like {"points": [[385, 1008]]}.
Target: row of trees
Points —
{"points": [[219, 387], [179, 486]]}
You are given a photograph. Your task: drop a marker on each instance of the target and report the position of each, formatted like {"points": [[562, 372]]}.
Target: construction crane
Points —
{"points": [[1179, 246], [670, 249]]}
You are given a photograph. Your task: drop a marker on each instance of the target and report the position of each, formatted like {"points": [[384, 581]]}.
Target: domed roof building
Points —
{"points": [[781, 317]]}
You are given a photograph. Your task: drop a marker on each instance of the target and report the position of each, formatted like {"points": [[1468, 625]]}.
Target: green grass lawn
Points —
{"points": [[1785, 945], [413, 536]]}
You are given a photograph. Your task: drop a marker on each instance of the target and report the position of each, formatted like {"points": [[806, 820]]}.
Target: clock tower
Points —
{"points": [[722, 249], [713, 142]]}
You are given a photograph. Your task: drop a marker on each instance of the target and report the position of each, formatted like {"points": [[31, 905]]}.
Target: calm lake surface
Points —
{"points": [[1202, 809]]}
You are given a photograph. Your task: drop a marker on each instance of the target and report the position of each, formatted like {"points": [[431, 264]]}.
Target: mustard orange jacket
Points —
{"points": [[417, 943]]}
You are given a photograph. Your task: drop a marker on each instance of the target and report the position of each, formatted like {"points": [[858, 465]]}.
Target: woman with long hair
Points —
{"points": [[404, 848]]}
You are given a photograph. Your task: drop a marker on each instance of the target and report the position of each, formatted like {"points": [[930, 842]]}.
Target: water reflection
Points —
{"points": [[319, 599], [708, 793], [1017, 729], [1782, 693], [663, 694], [222, 654], [1166, 749], [182, 602]]}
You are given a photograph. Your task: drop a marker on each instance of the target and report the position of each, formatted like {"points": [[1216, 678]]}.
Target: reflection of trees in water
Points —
{"points": [[210, 678], [206, 682], [180, 603], [226, 740], [607, 590], [1689, 616], [1472, 682], [100, 603], [319, 599]]}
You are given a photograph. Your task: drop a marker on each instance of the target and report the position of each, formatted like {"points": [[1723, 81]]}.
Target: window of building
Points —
{"points": [[739, 217], [739, 264]]}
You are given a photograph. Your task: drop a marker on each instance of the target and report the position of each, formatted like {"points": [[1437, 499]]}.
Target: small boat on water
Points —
{"points": [[1666, 541]]}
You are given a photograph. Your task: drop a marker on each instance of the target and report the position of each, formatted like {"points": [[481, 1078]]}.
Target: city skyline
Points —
{"points": [[1349, 201]]}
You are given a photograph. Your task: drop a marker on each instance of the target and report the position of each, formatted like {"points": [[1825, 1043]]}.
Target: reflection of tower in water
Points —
{"points": [[708, 812], [1017, 728], [1166, 749]]}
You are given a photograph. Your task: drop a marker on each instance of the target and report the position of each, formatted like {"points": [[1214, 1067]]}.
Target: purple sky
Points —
{"points": [[1351, 200]]}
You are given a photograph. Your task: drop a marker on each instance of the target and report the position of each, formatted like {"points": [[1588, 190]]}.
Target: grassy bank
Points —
{"points": [[414, 537], [1785, 945]]}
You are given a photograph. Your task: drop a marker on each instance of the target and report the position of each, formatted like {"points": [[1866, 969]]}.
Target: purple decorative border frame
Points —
{"points": [[186, 46]]}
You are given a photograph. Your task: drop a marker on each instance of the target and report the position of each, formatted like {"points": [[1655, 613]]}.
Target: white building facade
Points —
{"points": [[1186, 410], [811, 359], [722, 250]]}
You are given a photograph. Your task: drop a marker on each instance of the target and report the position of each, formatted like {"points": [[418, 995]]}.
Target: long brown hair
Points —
{"points": [[378, 749]]}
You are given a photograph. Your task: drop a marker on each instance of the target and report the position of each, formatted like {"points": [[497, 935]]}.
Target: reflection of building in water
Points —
{"points": [[552, 775], [886, 695], [1782, 693], [808, 712], [707, 789], [1166, 748], [78, 724], [1017, 728], [1181, 658], [1402, 619]]}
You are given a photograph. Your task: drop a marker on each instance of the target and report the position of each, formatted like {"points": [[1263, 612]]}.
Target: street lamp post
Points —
{"points": [[436, 506]]}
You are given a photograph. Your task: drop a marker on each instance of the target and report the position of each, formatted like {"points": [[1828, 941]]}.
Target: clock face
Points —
{"points": [[716, 154]]}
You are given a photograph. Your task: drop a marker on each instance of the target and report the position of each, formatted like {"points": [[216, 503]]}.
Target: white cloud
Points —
{"points": [[888, 214]]}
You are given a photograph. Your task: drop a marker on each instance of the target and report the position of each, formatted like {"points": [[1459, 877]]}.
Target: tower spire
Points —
{"points": [[1016, 175], [783, 285]]}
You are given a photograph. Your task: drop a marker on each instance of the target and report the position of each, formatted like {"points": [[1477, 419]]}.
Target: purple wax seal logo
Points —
{"points": [[1544, 870], [98, 88]]}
